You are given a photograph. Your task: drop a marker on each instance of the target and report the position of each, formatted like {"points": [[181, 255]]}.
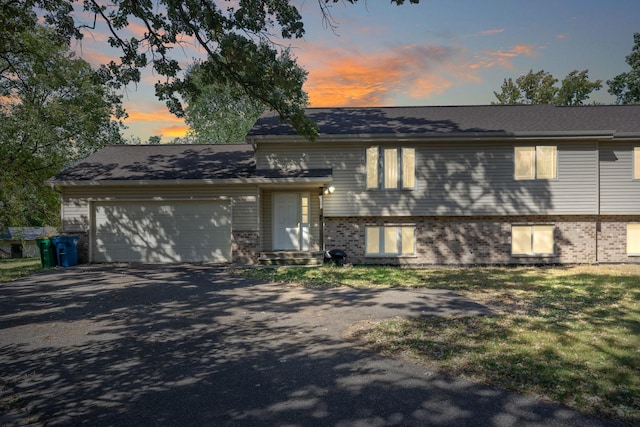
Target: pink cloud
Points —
{"points": [[493, 31], [341, 78]]}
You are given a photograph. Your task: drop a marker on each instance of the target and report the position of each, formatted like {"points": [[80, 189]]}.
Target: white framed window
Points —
{"points": [[633, 239], [390, 240], [535, 162], [636, 162], [532, 240], [391, 168]]}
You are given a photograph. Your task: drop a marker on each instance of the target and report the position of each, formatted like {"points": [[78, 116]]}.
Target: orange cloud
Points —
{"points": [[159, 115], [503, 58], [524, 49], [355, 79], [172, 131]]}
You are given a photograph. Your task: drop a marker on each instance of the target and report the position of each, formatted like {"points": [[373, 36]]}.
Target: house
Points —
{"points": [[20, 242], [396, 185]]}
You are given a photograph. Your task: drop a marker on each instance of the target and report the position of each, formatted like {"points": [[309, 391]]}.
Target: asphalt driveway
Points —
{"points": [[190, 345]]}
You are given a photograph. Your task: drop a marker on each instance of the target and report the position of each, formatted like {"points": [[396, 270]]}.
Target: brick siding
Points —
{"points": [[245, 247], [487, 240]]}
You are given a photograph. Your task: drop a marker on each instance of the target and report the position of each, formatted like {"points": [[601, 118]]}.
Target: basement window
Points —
{"points": [[532, 240]]}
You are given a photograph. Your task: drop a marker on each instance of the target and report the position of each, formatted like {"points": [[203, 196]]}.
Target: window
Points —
{"points": [[535, 162], [633, 239], [636, 162], [304, 209], [532, 240], [390, 240], [391, 168]]}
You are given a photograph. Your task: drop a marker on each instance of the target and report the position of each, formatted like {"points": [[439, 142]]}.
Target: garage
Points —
{"points": [[161, 231]]}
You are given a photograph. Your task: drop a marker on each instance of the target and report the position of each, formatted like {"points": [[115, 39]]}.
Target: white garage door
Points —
{"points": [[162, 232]]}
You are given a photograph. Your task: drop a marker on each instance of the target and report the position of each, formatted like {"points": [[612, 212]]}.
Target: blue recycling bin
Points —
{"points": [[66, 249]]}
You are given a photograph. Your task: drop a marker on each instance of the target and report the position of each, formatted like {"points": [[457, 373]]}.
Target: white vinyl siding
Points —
{"points": [[633, 239], [535, 162], [390, 240], [75, 201], [619, 191], [532, 240], [461, 179]]}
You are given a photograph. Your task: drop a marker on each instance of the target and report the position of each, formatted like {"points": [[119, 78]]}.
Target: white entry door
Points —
{"points": [[291, 221]]}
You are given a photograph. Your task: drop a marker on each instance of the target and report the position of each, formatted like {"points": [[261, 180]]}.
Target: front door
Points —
{"points": [[290, 221]]}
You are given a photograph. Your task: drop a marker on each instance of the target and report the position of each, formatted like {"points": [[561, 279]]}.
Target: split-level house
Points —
{"points": [[397, 185]]}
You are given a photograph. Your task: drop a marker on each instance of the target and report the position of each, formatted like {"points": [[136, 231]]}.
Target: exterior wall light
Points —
{"points": [[329, 190]]}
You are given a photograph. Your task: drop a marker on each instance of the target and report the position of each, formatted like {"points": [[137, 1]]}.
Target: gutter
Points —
{"points": [[455, 137], [171, 182]]}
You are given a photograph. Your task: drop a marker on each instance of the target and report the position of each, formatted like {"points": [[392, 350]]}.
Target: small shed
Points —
{"points": [[20, 242]]}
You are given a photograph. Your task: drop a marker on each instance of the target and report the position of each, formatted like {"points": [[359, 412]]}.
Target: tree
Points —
{"points": [[576, 88], [626, 86], [217, 113], [510, 93], [539, 88], [237, 37], [54, 109]]}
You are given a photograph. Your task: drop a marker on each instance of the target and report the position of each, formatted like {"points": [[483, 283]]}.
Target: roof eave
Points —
{"points": [[172, 182], [460, 137]]}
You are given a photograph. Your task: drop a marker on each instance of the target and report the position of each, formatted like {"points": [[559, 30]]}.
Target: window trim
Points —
{"points": [[380, 177], [535, 254], [381, 240], [534, 165]]}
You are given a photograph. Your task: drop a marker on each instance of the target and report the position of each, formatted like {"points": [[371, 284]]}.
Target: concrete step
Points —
{"points": [[290, 258]]}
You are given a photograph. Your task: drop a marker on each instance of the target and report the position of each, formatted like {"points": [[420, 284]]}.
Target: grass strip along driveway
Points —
{"points": [[11, 269], [567, 334]]}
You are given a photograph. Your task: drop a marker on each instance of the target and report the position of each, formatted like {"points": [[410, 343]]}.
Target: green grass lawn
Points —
{"points": [[11, 269], [567, 334]]}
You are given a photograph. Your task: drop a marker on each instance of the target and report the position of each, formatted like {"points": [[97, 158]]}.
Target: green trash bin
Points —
{"points": [[48, 255]]}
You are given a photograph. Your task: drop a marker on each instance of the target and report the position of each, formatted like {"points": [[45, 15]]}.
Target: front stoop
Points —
{"points": [[290, 258]]}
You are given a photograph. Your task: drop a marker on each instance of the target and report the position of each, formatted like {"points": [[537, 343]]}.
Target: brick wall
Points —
{"points": [[471, 240], [245, 247], [612, 239]]}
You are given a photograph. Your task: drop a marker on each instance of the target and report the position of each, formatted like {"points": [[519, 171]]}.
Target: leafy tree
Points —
{"points": [[576, 88], [626, 86], [54, 109], [239, 39], [510, 93], [539, 88], [217, 113]]}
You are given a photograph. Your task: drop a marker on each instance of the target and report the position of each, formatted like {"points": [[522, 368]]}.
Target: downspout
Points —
{"points": [[598, 229], [321, 224]]}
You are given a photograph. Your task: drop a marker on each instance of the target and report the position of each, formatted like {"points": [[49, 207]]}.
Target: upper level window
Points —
{"points": [[537, 162], [636, 162], [391, 168]]}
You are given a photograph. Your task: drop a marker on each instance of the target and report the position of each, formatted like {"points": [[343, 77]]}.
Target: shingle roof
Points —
{"points": [[175, 162], [456, 120], [160, 162]]}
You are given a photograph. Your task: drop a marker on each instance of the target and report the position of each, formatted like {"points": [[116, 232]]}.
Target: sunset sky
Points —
{"points": [[439, 52]]}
